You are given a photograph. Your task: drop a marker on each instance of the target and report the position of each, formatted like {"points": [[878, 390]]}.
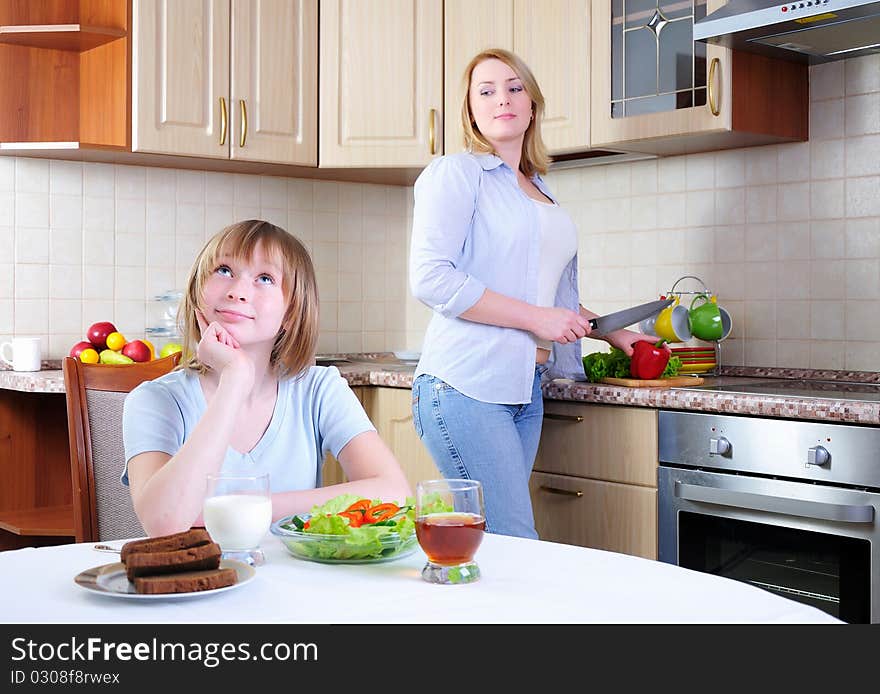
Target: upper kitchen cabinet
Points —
{"points": [[381, 87], [228, 80], [656, 90], [64, 74], [551, 36]]}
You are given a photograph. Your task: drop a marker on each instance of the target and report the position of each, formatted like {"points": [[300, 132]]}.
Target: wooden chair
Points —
{"points": [[102, 508]]}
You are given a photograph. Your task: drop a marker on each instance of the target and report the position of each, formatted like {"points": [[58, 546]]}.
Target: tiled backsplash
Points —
{"points": [[788, 236], [83, 242]]}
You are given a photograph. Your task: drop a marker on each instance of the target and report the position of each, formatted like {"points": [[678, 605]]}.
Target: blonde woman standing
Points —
{"points": [[495, 257]]}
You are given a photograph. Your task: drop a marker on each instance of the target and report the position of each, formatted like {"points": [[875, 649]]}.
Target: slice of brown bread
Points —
{"points": [[166, 543], [187, 559], [186, 582]]}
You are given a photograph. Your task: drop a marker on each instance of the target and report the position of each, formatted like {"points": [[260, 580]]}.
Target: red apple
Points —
{"points": [[136, 351], [98, 333], [79, 347]]}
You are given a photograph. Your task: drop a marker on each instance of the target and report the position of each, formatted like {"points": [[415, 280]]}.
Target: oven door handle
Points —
{"points": [[775, 504]]}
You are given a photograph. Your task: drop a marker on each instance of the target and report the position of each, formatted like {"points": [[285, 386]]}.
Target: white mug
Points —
{"points": [[25, 353]]}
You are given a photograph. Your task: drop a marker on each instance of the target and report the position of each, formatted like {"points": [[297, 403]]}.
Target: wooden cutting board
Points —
{"points": [[671, 382]]}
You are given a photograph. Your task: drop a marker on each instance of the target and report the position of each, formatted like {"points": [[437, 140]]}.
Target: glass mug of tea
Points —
{"points": [[237, 514], [450, 520]]}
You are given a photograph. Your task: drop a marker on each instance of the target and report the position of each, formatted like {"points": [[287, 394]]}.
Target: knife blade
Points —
{"points": [[602, 325]]}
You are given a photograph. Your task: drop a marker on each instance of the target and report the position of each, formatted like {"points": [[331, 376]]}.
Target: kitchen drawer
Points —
{"points": [[605, 515], [603, 442]]}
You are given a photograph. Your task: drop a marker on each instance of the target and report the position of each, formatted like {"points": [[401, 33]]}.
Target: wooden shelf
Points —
{"points": [[50, 521], [61, 37]]}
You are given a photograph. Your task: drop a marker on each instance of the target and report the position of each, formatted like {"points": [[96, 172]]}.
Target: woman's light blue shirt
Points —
{"points": [[475, 229], [315, 414]]}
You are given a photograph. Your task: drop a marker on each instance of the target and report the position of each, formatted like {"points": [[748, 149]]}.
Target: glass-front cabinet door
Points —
{"points": [[650, 78], [655, 89]]}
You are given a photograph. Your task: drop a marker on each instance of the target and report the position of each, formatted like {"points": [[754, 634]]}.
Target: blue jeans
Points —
{"points": [[495, 444]]}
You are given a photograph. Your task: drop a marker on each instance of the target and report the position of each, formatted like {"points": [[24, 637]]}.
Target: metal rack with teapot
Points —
{"points": [[698, 326]]}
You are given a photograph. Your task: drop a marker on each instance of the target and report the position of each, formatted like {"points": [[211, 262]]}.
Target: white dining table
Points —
{"points": [[523, 581]]}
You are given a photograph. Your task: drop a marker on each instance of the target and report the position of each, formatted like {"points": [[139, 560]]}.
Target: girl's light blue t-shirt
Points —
{"points": [[314, 414]]}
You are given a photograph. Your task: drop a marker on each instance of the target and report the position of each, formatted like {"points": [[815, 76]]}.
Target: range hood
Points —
{"points": [[807, 31]]}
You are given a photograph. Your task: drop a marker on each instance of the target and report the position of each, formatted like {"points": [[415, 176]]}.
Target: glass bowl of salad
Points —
{"points": [[349, 529]]}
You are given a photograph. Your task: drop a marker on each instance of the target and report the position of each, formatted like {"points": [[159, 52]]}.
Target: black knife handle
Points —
{"points": [[593, 324]]}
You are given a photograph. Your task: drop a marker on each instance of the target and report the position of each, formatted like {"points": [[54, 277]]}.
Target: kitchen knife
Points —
{"points": [[602, 325]]}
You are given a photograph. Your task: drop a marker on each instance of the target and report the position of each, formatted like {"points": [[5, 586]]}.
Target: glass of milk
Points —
{"points": [[237, 514]]}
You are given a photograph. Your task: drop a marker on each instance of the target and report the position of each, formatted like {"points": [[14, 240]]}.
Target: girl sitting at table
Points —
{"points": [[247, 398]]}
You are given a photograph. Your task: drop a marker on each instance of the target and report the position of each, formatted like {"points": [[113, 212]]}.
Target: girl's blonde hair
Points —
{"points": [[534, 153], [295, 343]]}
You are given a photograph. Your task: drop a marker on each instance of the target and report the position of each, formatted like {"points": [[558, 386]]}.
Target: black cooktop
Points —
{"points": [[833, 390]]}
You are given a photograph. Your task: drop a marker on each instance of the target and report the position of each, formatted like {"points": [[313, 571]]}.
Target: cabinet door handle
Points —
{"points": [[564, 417], [224, 121], [243, 138], [432, 139], [713, 103], [564, 492]]}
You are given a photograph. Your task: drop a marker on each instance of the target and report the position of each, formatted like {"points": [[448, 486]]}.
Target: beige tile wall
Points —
{"points": [[82, 242], [788, 236]]}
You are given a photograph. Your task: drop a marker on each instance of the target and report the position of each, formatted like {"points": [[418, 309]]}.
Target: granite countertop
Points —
{"points": [[384, 369]]}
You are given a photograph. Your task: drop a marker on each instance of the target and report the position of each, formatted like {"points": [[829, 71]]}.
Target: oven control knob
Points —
{"points": [[719, 446], [818, 455]]}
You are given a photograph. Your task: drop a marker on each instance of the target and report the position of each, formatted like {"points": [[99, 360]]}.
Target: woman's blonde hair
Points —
{"points": [[534, 153], [295, 343]]}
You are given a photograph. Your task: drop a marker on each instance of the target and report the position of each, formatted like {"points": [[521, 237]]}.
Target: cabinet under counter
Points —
{"points": [[595, 478]]}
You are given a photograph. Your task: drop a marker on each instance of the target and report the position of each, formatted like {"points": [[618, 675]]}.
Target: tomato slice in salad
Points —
{"points": [[380, 512], [355, 518], [361, 506]]}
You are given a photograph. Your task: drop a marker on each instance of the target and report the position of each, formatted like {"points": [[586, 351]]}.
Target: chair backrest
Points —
{"points": [[102, 507]]}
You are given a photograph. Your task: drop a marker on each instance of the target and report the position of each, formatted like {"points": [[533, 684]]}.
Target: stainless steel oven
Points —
{"points": [[789, 506]]}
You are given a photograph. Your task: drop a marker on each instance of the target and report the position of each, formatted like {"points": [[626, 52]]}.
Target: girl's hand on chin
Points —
{"points": [[220, 351]]}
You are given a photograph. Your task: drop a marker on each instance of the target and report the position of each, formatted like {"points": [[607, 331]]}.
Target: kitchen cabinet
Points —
{"points": [[551, 36], [226, 79], [381, 87], [655, 90], [390, 410], [64, 75], [595, 478], [332, 472], [35, 497]]}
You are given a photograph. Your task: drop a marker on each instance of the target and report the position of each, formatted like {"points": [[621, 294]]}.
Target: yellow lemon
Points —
{"points": [[88, 356], [115, 341], [152, 349], [169, 349]]}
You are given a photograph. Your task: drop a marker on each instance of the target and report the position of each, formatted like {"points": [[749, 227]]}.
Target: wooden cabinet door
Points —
{"points": [[381, 86], [274, 81], [390, 410], [332, 472], [592, 513], [180, 73], [603, 442], [551, 36], [468, 27], [621, 131]]}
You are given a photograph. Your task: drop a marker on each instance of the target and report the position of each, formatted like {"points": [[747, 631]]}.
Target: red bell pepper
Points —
{"points": [[380, 512], [648, 361]]}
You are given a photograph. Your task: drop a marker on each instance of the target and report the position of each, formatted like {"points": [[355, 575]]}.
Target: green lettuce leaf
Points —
{"points": [[335, 505]]}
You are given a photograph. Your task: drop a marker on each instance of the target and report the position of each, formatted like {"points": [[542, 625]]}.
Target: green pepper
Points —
{"points": [[648, 361]]}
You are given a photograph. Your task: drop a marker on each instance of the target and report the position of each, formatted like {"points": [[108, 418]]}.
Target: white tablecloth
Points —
{"points": [[522, 581]]}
